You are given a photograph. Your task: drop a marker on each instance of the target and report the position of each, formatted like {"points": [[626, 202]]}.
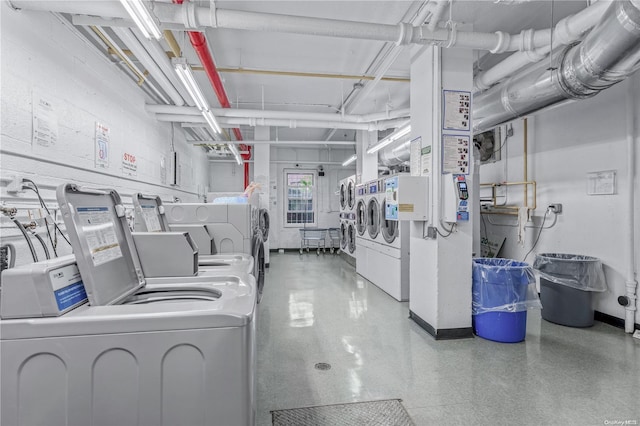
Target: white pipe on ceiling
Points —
{"points": [[292, 124], [141, 54], [441, 5], [193, 17], [566, 31], [282, 115], [274, 142]]}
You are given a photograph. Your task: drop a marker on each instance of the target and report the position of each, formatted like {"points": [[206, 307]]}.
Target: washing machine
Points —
{"points": [[235, 228], [85, 340], [150, 217]]}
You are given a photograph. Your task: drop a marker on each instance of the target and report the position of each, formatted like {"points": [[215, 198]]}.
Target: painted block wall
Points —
{"points": [[565, 144], [284, 158], [40, 55]]}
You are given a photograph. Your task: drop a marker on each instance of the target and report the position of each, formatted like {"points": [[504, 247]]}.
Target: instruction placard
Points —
{"points": [[456, 110], [601, 183], [150, 216], [416, 146], [102, 146], [426, 160], [129, 165], [67, 286], [455, 154], [99, 230], [45, 122]]}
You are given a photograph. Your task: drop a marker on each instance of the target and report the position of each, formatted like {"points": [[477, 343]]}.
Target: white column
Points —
{"points": [[261, 166], [366, 164], [440, 286]]}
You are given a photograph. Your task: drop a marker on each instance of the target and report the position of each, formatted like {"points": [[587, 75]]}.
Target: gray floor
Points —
{"points": [[317, 309]]}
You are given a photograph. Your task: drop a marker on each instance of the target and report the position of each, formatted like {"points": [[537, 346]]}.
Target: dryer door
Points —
{"points": [[389, 228], [373, 218], [361, 217], [258, 262], [343, 196], [351, 194], [343, 235], [264, 224], [351, 238]]}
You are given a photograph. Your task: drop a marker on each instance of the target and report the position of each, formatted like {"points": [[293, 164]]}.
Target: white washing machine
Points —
{"points": [[150, 217], [234, 228], [135, 353], [381, 258]]}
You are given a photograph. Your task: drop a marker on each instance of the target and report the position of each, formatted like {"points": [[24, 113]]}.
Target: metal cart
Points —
{"points": [[334, 239], [312, 237]]}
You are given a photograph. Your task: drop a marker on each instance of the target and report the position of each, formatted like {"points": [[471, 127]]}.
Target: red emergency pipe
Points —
{"points": [[199, 43]]}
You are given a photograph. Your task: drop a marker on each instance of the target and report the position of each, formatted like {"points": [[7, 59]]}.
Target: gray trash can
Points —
{"points": [[567, 284]]}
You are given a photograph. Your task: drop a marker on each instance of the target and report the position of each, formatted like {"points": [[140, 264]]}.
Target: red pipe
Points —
{"points": [[199, 43]]}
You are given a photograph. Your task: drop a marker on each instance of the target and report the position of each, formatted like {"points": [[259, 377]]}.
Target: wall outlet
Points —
{"points": [[15, 185], [556, 208]]}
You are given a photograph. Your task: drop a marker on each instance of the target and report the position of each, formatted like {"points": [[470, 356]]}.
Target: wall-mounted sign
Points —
{"points": [[45, 122], [129, 165], [102, 146], [456, 110], [455, 154]]}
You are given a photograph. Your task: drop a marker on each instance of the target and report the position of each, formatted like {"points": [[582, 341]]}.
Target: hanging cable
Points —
{"points": [[449, 231], [44, 245], [544, 219], [26, 237], [44, 205]]}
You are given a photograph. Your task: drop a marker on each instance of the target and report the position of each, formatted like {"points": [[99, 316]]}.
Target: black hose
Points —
{"points": [[44, 245], [11, 262], [26, 237]]}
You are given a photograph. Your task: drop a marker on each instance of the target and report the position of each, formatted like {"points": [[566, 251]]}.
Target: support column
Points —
{"points": [[440, 286], [261, 167], [366, 164]]}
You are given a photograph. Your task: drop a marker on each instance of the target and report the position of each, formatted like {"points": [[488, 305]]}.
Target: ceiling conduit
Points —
{"points": [[199, 43], [608, 54]]}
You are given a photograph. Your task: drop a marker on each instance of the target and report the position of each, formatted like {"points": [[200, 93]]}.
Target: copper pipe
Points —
{"points": [[114, 51], [173, 43], [305, 74]]}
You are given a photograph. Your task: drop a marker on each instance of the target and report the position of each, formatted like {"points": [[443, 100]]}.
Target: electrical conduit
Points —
{"points": [[631, 283], [199, 43]]}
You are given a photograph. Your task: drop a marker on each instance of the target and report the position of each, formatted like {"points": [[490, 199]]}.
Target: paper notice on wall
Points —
{"points": [[416, 146], [45, 122], [455, 154], [129, 165], [102, 146], [99, 230], [426, 160], [457, 107], [601, 183]]}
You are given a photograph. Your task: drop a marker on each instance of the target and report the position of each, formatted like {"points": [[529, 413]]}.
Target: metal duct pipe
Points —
{"points": [[607, 55], [395, 155], [283, 115]]}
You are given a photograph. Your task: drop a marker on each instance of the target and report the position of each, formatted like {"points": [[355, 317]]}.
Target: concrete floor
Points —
{"points": [[317, 309]]}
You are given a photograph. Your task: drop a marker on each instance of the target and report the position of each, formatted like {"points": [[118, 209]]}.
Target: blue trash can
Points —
{"points": [[503, 290]]}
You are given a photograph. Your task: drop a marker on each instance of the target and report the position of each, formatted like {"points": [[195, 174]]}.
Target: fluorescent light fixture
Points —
{"points": [[146, 23], [234, 151], [186, 77], [390, 139], [349, 160], [211, 121]]}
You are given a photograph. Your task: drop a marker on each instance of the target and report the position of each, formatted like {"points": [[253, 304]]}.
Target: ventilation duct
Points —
{"points": [[609, 54]]}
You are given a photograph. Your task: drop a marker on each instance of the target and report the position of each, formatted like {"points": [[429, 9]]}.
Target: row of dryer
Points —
{"points": [[134, 328], [347, 196], [382, 246]]}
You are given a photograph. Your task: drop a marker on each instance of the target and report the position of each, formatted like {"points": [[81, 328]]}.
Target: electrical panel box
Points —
{"points": [[456, 199], [407, 198], [45, 289]]}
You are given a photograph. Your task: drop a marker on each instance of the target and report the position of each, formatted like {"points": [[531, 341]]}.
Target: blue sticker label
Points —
{"points": [[463, 216], [70, 295]]}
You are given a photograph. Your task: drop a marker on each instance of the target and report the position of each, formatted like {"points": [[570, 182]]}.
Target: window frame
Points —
{"points": [[314, 198]]}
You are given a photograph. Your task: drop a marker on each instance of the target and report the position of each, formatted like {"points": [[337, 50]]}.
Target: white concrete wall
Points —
{"points": [[226, 176], [40, 55], [565, 144]]}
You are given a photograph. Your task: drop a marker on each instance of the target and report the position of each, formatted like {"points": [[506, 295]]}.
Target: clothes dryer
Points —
{"points": [[135, 353]]}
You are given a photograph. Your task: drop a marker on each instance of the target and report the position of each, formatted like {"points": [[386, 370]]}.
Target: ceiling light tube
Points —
{"points": [[390, 139], [349, 160], [186, 77], [143, 19], [211, 120], [234, 151]]}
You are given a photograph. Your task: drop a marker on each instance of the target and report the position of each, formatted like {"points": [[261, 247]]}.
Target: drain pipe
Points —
{"points": [[199, 43], [631, 283]]}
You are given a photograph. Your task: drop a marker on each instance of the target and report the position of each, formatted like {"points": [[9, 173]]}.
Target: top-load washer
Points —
{"points": [[234, 228], [135, 354], [150, 216]]}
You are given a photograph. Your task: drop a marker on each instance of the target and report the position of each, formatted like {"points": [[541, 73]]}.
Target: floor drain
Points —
{"points": [[323, 366]]}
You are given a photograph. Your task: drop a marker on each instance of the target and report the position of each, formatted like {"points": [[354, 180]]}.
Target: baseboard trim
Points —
{"points": [[443, 333], [611, 320]]}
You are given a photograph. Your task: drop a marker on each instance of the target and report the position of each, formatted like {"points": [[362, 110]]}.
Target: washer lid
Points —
{"points": [[102, 243], [150, 211]]}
